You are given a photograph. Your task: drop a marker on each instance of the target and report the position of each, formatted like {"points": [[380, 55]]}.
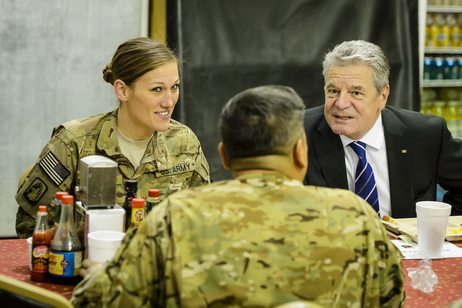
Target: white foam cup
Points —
{"points": [[102, 245], [432, 222], [29, 250]]}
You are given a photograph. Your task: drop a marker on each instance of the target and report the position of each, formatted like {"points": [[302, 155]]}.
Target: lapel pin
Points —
{"points": [[403, 151]]}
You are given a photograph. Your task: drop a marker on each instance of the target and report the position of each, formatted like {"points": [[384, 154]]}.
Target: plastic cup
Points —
{"points": [[29, 250], [102, 245], [432, 222]]}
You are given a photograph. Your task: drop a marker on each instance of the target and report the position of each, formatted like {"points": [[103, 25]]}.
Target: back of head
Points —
{"points": [[261, 121], [136, 57], [360, 52]]}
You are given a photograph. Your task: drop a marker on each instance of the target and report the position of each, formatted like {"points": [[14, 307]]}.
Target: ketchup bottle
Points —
{"points": [[41, 239]]}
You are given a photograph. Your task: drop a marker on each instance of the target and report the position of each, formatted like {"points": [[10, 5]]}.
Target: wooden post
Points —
{"points": [[158, 20]]}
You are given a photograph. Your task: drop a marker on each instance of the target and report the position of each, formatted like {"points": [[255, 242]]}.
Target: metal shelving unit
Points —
{"points": [[437, 51], [444, 9], [441, 83]]}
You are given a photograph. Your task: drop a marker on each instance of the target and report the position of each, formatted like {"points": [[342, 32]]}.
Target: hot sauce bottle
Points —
{"points": [[41, 239], [153, 199]]}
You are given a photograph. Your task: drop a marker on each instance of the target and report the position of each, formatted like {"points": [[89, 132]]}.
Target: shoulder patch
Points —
{"points": [[53, 168], [35, 191]]}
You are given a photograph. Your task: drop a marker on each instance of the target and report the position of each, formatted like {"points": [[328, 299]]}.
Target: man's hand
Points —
{"points": [[88, 267]]}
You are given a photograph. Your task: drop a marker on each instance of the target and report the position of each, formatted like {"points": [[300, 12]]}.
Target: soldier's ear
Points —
{"points": [[223, 156], [121, 90], [301, 154]]}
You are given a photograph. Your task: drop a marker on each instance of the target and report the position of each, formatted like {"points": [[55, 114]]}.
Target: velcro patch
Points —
{"points": [[35, 191], [53, 167]]}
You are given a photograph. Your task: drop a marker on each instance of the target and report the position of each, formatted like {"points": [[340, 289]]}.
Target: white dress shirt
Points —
{"points": [[376, 155]]}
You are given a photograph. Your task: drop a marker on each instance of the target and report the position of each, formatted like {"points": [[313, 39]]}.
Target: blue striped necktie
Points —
{"points": [[365, 185]]}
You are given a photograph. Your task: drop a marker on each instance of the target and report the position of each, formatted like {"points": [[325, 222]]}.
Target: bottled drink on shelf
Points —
{"points": [[450, 68], [442, 31], [429, 38], [66, 250], [57, 203], [439, 68], [459, 63], [438, 108], [448, 94], [454, 30], [153, 199], [426, 107], [429, 68], [137, 213], [452, 118], [459, 115], [434, 31], [131, 187], [41, 239]]}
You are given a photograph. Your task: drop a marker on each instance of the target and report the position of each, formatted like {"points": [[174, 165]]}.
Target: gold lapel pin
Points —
{"points": [[403, 151]]}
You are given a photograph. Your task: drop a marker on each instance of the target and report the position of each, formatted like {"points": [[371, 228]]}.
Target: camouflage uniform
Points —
{"points": [[257, 241], [173, 161]]}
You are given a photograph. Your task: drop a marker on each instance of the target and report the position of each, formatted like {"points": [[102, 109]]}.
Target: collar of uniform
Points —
{"points": [[107, 139], [259, 177], [156, 150]]}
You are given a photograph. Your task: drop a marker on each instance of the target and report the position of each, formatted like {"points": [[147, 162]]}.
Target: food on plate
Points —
{"points": [[455, 231], [389, 219], [409, 226]]}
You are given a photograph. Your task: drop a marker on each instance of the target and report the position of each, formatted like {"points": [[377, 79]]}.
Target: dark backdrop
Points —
{"points": [[231, 45]]}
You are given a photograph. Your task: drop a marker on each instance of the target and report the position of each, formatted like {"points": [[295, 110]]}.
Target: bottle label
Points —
{"points": [[150, 205], [137, 216], [40, 257], [65, 264]]}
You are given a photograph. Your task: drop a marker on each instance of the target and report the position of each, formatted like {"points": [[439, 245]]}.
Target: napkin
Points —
{"points": [[411, 251]]}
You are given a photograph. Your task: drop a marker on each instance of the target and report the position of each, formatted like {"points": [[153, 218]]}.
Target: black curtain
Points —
{"points": [[230, 45]]}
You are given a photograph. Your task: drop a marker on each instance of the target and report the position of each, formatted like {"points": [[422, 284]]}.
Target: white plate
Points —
{"points": [[409, 226]]}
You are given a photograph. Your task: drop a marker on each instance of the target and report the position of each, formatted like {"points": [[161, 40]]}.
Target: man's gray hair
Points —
{"points": [[360, 52]]}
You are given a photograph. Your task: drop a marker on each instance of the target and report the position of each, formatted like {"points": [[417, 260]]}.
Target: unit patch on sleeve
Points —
{"points": [[53, 167], [35, 191]]}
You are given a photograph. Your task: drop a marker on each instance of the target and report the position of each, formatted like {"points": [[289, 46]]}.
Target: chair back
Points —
{"points": [[16, 293]]}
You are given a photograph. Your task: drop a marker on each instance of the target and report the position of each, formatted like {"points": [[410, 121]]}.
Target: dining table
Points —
{"points": [[14, 263]]}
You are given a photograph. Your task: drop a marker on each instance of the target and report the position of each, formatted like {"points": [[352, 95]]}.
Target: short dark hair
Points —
{"points": [[136, 57], [261, 121]]}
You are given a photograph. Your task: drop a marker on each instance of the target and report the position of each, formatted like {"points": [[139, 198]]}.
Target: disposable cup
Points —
{"points": [[102, 245], [432, 222], [29, 251]]}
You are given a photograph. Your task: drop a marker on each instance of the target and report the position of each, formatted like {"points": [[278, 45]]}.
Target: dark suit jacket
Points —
{"points": [[421, 153]]}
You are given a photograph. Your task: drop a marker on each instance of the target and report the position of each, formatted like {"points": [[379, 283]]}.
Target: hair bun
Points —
{"points": [[107, 74]]}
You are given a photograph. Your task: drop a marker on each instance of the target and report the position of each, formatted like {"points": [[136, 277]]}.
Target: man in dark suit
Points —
{"points": [[409, 152]]}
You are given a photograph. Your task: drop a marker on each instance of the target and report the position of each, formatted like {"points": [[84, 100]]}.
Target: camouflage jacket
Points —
{"points": [[256, 241], [173, 161]]}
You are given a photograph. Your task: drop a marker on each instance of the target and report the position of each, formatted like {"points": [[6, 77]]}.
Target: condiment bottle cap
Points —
{"points": [[153, 193], [68, 199], [42, 208], [60, 194], [137, 202]]}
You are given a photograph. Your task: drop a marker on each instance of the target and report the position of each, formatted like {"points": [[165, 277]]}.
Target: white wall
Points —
{"points": [[51, 57]]}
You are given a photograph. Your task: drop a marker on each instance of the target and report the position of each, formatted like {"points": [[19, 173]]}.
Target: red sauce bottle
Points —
{"points": [[41, 239]]}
